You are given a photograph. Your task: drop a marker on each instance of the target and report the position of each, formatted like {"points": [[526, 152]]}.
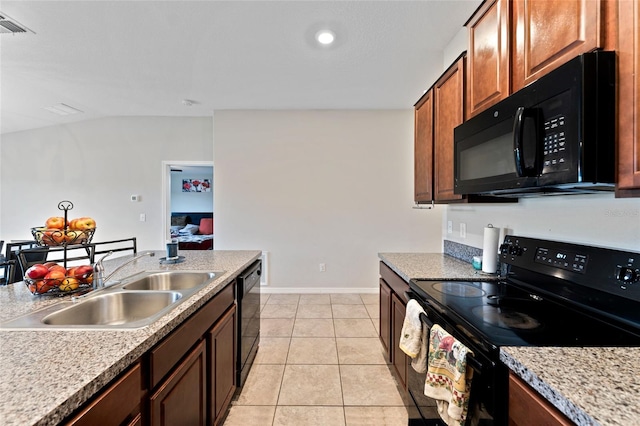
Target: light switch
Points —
{"points": [[143, 217]]}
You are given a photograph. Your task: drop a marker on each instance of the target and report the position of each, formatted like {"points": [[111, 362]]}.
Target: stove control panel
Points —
{"points": [[567, 266], [564, 259]]}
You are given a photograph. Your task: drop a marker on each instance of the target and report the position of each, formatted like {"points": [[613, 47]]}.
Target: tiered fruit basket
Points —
{"points": [[61, 235]]}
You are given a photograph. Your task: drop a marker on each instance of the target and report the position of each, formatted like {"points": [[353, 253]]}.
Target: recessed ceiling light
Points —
{"points": [[325, 37]]}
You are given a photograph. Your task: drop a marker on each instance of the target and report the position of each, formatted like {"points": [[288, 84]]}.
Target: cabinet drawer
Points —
{"points": [[167, 353], [528, 408], [117, 404], [393, 280]]}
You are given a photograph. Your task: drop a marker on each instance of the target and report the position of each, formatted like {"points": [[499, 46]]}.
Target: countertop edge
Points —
{"points": [[555, 398]]}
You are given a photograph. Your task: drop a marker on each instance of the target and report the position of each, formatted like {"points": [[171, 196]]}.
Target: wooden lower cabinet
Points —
{"points": [[189, 375], [222, 356], [392, 310], [181, 398], [400, 360], [118, 404], [528, 408], [385, 317]]}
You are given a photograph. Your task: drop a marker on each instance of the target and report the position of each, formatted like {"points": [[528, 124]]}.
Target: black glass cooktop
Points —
{"points": [[501, 314]]}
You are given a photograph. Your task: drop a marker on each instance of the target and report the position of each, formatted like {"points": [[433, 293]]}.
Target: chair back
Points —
{"points": [[12, 250], [126, 244], [8, 267]]}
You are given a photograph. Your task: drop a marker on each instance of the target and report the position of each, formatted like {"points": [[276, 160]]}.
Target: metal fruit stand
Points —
{"points": [[62, 240]]}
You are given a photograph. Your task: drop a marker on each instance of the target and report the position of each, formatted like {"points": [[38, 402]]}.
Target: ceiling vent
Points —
{"points": [[11, 26]]}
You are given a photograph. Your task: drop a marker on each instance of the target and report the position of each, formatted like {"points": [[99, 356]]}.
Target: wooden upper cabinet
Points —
{"points": [[423, 149], [488, 73], [548, 33], [628, 98], [448, 105]]}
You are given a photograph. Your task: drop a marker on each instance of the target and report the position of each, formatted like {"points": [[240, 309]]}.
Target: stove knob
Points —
{"points": [[627, 275], [515, 250], [504, 248]]}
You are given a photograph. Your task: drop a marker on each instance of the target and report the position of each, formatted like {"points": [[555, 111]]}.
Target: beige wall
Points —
{"points": [[311, 187]]}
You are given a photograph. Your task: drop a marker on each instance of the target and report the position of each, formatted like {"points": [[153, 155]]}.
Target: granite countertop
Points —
{"points": [[45, 375], [591, 386], [433, 266]]}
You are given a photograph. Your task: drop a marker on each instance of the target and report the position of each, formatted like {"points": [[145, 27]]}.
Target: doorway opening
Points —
{"points": [[188, 189]]}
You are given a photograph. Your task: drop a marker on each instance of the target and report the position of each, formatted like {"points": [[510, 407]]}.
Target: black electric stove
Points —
{"points": [[549, 293]]}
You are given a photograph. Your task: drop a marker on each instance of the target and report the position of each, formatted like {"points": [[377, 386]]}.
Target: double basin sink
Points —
{"points": [[135, 302]]}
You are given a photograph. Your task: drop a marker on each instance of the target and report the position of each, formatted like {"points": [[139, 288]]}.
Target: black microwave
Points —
{"points": [[554, 136]]}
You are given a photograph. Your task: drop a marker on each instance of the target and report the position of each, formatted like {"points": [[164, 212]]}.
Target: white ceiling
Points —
{"points": [[118, 58]]}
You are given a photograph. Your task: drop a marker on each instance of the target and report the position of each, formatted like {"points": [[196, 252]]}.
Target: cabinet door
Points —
{"points": [[385, 318], [488, 75], [222, 344], [628, 98], [448, 113], [181, 398], [528, 408], [548, 33], [423, 149], [400, 359]]}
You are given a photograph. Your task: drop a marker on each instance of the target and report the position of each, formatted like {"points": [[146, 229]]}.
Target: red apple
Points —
{"points": [[37, 271], [84, 273], [50, 264], [55, 277], [55, 222], [83, 223], [58, 268]]}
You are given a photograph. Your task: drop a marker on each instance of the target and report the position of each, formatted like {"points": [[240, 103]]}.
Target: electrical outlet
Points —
{"points": [[463, 230], [449, 227], [323, 267]]}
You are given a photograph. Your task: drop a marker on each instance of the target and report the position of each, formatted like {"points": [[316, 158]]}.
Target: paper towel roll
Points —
{"points": [[490, 249]]}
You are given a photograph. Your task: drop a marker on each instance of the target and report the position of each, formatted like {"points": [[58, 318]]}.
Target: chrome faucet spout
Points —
{"points": [[99, 280]]}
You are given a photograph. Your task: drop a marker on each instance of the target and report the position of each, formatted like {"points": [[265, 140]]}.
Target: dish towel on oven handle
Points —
{"points": [[413, 338], [448, 378]]}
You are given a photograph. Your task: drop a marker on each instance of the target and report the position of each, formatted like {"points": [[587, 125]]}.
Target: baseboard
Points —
{"points": [[318, 290]]}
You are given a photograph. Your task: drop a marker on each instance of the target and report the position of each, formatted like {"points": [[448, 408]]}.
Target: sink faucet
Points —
{"points": [[98, 269]]}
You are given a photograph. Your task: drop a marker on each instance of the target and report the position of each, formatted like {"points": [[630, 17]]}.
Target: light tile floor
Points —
{"points": [[320, 362]]}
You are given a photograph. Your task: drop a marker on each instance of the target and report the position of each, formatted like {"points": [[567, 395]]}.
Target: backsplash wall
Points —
{"points": [[599, 220]]}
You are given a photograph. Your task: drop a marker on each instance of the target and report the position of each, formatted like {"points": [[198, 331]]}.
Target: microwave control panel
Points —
{"points": [[554, 144]]}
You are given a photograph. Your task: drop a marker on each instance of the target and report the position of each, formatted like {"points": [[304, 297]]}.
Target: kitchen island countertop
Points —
{"points": [[591, 386], [45, 375]]}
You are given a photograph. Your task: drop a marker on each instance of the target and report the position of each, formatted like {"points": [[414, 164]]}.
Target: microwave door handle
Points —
{"points": [[518, 143]]}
